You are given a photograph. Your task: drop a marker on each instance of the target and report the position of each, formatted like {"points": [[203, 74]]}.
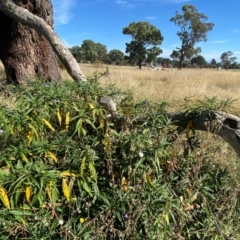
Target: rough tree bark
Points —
{"points": [[27, 42]]}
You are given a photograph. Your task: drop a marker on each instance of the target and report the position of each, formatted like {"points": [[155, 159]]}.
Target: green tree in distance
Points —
{"points": [[102, 52], [213, 63], [144, 44], [227, 59], [93, 52], [76, 52], [193, 29], [199, 61], [115, 56], [89, 51]]}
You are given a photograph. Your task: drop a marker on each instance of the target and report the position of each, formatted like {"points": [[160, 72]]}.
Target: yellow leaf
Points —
{"points": [[52, 192], [59, 117], [28, 193], [68, 174], [149, 180], [66, 191], [188, 208], [83, 166], [67, 120], [193, 198], [24, 158], [30, 136], [93, 171], [49, 190], [91, 106], [181, 199], [4, 198], [124, 182], [102, 123], [25, 207], [94, 112], [166, 217], [189, 191], [53, 157], [48, 124]]}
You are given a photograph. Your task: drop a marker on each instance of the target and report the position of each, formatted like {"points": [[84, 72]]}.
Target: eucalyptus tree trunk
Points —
{"points": [[26, 53]]}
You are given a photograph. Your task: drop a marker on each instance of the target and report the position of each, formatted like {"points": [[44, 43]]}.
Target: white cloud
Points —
{"points": [[125, 4], [62, 13], [219, 41], [151, 17]]}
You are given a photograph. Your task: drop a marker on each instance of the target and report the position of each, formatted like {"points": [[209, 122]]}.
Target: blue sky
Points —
{"points": [[103, 20]]}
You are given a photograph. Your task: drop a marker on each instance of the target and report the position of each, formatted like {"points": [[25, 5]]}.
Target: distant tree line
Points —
{"points": [[92, 52], [146, 39]]}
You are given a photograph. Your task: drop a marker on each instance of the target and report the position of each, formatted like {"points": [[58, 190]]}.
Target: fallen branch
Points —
{"points": [[155, 68], [222, 124]]}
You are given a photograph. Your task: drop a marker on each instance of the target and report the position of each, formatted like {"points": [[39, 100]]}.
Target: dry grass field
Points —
{"points": [[171, 85]]}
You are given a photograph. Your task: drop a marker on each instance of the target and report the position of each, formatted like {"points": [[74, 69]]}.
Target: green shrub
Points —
{"points": [[70, 169]]}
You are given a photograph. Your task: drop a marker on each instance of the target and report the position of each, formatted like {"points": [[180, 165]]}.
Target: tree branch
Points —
{"points": [[26, 18], [222, 124]]}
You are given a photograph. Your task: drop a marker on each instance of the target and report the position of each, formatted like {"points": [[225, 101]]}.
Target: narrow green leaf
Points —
{"points": [[93, 171]]}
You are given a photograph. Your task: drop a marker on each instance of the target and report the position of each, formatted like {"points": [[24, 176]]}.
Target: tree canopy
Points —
{"points": [[93, 52], [144, 44], [199, 61], [115, 56], [227, 59], [193, 29], [77, 53], [90, 51]]}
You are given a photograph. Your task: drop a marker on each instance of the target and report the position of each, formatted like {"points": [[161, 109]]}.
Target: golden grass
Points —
{"points": [[172, 85]]}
